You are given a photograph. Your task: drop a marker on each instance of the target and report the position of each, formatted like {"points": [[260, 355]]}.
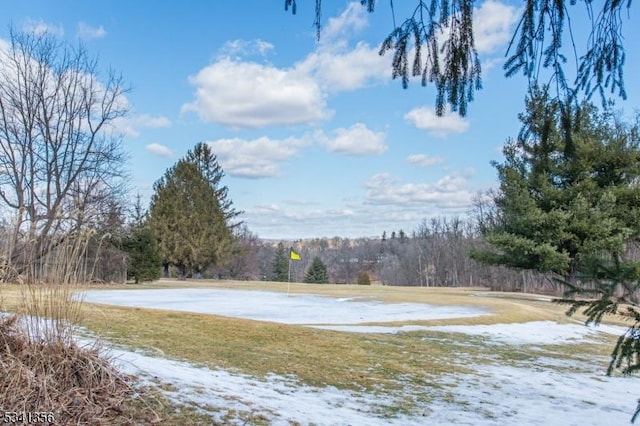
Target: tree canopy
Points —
{"points": [[436, 44], [188, 219], [141, 246], [61, 166], [207, 163], [144, 261]]}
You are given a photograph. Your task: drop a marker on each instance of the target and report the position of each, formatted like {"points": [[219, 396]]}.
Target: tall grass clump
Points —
{"points": [[74, 383], [44, 368]]}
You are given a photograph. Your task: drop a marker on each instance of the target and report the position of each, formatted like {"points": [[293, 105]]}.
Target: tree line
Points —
{"points": [[435, 254]]}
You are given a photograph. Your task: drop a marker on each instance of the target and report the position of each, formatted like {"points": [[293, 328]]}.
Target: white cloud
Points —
{"points": [[272, 221], [146, 120], [345, 69], [248, 94], [450, 192], [493, 25], [339, 67], [131, 126], [86, 31], [386, 204], [356, 218], [258, 158], [423, 160], [40, 27], [352, 19], [324, 214], [491, 63], [356, 140], [161, 150], [297, 202], [426, 118], [262, 209]]}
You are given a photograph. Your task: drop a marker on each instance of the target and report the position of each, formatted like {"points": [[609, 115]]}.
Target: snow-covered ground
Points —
{"points": [[278, 307], [544, 391]]}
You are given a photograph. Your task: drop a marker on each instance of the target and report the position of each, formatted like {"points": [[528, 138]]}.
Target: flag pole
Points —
{"points": [[289, 275]]}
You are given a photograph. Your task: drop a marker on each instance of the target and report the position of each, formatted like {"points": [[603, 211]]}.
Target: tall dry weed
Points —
{"points": [[43, 367], [75, 383]]}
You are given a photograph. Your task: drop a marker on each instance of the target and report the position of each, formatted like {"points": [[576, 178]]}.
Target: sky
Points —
{"points": [[315, 138]]}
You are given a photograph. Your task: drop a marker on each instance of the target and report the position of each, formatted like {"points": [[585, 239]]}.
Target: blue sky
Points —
{"points": [[315, 138]]}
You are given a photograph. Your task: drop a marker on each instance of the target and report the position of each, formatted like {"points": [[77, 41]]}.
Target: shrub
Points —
{"points": [[55, 376], [363, 278]]}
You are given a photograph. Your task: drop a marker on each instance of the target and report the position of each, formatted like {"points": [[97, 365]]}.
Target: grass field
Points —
{"points": [[415, 372]]}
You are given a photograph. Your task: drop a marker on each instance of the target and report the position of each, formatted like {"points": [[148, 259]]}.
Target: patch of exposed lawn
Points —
{"points": [[315, 357]]}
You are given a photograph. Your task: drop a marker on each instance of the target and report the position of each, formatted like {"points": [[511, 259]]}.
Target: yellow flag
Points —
{"points": [[294, 256]]}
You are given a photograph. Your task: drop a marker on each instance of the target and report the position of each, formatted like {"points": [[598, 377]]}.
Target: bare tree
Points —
{"points": [[60, 157]]}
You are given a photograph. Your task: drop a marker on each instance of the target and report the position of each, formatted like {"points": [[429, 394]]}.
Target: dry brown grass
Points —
{"points": [[76, 384], [42, 367], [44, 370], [315, 357]]}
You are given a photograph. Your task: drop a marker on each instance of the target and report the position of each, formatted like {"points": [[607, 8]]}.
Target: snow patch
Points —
{"points": [[532, 333], [502, 394], [494, 395], [278, 307]]}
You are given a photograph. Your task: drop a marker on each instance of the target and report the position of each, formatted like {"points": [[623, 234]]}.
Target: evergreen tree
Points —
{"points": [[566, 196], [139, 212], [141, 246], [145, 261], [281, 264], [188, 221], [317, 272], [207, 163], [449, 60]]}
